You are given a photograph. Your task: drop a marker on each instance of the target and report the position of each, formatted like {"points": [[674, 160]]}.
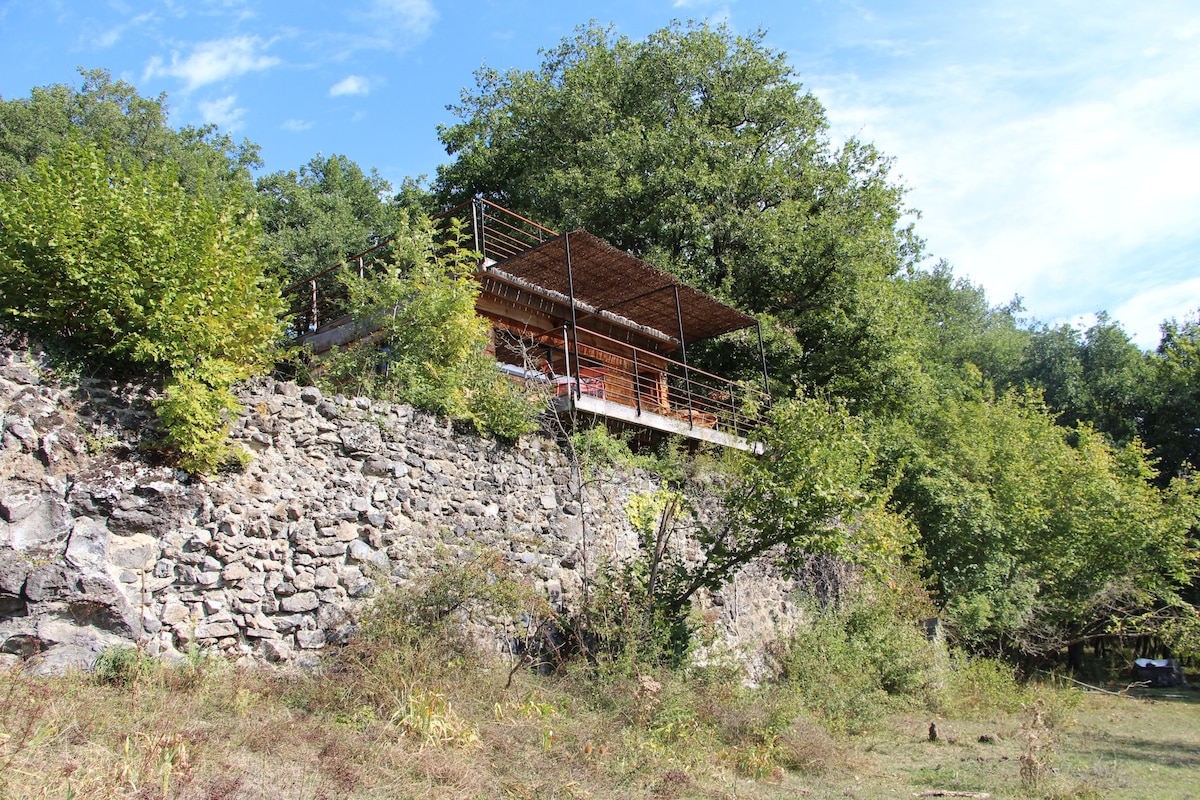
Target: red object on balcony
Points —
{"points": [[591, 383]]}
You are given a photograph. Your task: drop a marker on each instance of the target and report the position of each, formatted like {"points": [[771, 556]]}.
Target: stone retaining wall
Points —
{"points": [[99, 545]]}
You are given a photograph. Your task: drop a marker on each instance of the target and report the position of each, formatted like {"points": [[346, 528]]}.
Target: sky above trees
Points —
{"points": [[1052, 148]]}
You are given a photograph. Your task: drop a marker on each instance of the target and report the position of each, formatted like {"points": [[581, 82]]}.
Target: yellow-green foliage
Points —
{"points": [[120, 263], [645, 509], [429, 345]]}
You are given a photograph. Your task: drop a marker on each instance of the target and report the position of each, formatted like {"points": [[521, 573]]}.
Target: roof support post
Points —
{"points": [[477, 224], [571, 298], [687, 378], [762, 354]]}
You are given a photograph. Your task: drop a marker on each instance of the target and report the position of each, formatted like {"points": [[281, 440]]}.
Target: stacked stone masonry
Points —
{"points": [[102, 546]]}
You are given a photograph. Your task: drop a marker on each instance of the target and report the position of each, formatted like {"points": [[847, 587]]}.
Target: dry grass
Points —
{"points": [[406, 716], [218, 731]]}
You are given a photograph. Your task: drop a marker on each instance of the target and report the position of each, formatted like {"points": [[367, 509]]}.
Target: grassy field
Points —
{"points": [[212, 730]]}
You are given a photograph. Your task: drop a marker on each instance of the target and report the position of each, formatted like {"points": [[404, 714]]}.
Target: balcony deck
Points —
{"points": [[603, 326]]}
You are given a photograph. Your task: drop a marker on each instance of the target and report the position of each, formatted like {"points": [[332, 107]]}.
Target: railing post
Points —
{"points": [[476, 226], [313, 322], [733, 407], [687, 378], [637, 385], [567, 357], [483, 242], [571, 298], [762, 354]]}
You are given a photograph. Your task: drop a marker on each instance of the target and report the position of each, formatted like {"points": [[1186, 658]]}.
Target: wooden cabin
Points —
{"points": [[604, 332]]}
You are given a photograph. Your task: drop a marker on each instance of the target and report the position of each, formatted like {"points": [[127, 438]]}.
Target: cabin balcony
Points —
{"points": [[601, 331]]}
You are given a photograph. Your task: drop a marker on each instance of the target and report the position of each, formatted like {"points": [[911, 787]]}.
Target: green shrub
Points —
{"points": [[195, 414], [120, 666], [429, 345], [857, 660], [416, 638], [117, 261], [980, 684]]}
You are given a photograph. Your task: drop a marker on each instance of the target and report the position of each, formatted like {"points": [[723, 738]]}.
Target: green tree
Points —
{"points": [[1038, 536], [113, 116], [118, 261], [810, 492], [1172, 423], [698, 150], [327, 211], [425, 344], [959, 327], [1098, 376]]}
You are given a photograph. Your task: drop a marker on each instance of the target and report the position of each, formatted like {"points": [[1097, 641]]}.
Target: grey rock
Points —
{"points": [[133, 552], [174, 613], [124, 521], [361, 552], [216, 630], [45, 581], [302, 601], [277, 651], [311, 395], [310, 640], [325, 578], [235, 572], [286, 623], [13, 569], [40, 525]]}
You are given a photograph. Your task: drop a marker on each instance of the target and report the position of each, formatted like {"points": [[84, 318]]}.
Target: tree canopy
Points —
{"points": [[112, 115], [328, 210], [699, 150], [116, 259]]}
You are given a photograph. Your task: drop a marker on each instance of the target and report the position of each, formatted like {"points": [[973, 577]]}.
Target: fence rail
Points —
{"points": [[650, 383], [496, 233]]}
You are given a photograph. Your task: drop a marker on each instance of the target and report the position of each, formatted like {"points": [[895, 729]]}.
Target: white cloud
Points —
{"points": [[1053, 157], [403, 22], [223, 112], [1157, 305], [296, 125], [111, 36], [211, 62], [351, 84]]}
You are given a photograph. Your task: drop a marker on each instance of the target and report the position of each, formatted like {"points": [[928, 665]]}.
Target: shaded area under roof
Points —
{"points": [[609, 279]]}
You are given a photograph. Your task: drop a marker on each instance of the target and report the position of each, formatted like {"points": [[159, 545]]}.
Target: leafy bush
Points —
{"points": [[857, 659], [194, 413], [118, 261], [416, 638], [120, 666], [428, 346]]}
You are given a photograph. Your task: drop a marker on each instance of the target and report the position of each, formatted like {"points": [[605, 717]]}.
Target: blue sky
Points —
{"points": [[1053, 148]]}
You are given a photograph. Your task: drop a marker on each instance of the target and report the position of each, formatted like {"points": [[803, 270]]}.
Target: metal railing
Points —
{"points": [[497, 232], [649, 383], [494, 232]]}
